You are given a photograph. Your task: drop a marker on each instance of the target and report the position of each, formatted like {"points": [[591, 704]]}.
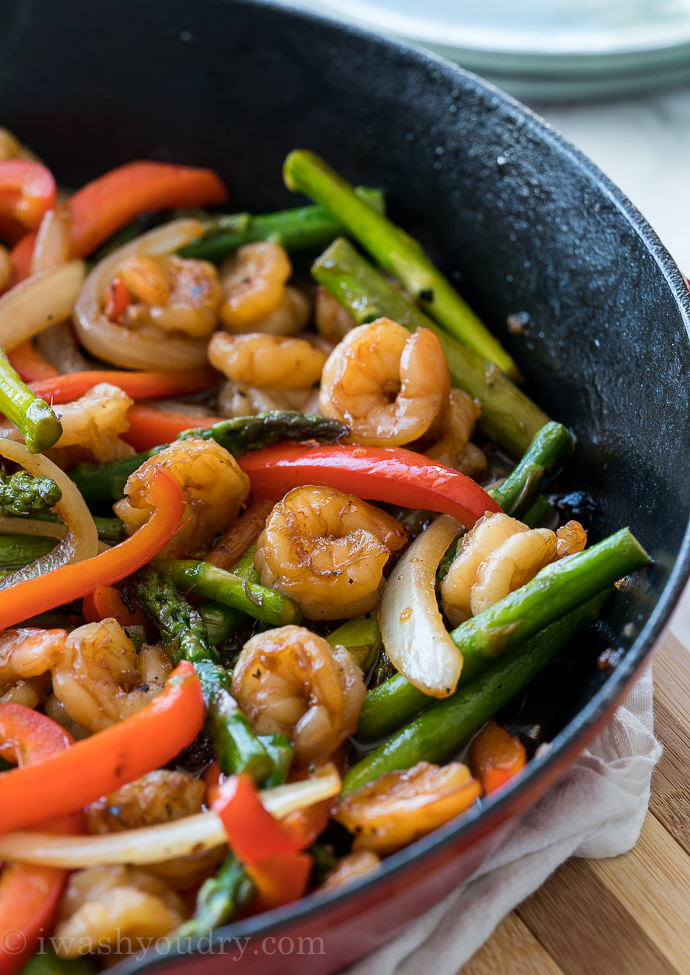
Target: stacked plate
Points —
{"points": [[540, 49]]}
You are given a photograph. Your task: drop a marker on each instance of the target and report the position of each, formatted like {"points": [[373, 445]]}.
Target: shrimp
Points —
{"points": [[240, 399], [115, 906], [327, 550], [388, 386], [158, 797], [511, 565], [254, 285], [289, 318], [11, 147], [497, 557], [174, 294], [96, 676], [332, 319], [26, 657], [399, 807], [290, 681], [94, 422], [452, 432], [266, 360], [213, 485], [350, 868]]}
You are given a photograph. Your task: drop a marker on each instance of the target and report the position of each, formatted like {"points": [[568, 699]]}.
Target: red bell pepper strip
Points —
{"points": [[495, 757], [106, 602], [111, 201], [138, 385], [253, 833], [389, 474], [279, 880], [68, 582], [149, 427], [30, 364], [29, 895], [27, 190], [116, 299], [95, 766]]}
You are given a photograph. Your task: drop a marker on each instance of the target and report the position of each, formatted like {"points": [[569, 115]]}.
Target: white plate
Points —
{"points": [[540, 48]]}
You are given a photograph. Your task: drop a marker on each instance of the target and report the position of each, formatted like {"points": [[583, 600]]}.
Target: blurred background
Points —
{"points": [[612, 75]]}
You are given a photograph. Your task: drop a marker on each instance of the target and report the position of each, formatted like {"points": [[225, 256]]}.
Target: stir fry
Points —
{"points": [[276, 553]]}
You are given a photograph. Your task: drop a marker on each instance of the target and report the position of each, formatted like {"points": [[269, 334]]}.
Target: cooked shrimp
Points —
{"points": [[351, 867], [399, 807], [5, 268], [327, 550], [478, 544], [96, 676], [332, 319], [240, 399], [253, 282], [572, 538], [290, 681], [174, 294], [289, 318], [213, 485], [388, 386], [451, 434], [157, 797], [117, 906], [94, 422], [497, 557], [266, 360], [511, 565], [26, 654]]}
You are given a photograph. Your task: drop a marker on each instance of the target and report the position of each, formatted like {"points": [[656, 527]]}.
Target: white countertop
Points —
{"points": [[643, 145]]}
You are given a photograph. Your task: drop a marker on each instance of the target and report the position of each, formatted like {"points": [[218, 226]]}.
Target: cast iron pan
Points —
{"points": [[513, 214]]}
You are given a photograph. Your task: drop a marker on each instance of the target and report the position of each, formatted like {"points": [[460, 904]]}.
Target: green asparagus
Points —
{"points": [[239, 436], [442, 729], [245, 569], [508, 417], [207, 580], [362, 638], [237, 747], [32, 416], [397, 253], [556, 590], [46, 962], [219, 898], [220, 621], [24, 495], [17, 550], [298, 229]]}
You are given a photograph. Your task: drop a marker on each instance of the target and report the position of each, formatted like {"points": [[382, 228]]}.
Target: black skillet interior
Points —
{"points": [[516, 217]]}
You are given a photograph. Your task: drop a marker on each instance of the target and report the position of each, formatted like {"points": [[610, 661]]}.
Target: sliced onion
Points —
{"points": [[411, 623], [81, 538], [52, 245], [38, 302], [117, 344], [151, 844]]}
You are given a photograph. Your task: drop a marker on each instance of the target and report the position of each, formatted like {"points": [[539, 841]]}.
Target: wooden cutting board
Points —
{"points": [[629, 915]]}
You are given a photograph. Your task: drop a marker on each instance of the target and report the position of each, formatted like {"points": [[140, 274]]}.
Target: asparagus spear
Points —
{"points": [[397, 253], [361, 637], [223, 587], [31, 415], [508, 416], [237, 747], [298, 229], [239, 436], [554, 591], [245, 569], [442, 729], [219, 898], [220, 621], [16, 551], [23, 494], [46, 962]]}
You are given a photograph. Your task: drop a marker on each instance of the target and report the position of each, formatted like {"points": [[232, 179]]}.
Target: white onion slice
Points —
{"points": [[119, 345], [38, 302], [81, 539], [411, 623], [151, 844], [52, 245]]}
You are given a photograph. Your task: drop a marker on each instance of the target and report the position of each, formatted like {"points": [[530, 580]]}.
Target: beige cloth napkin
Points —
{"points": [[595, 810]]}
